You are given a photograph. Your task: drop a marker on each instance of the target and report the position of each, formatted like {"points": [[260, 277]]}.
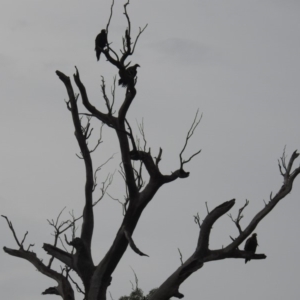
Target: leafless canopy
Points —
{"points": [[96, 277]]}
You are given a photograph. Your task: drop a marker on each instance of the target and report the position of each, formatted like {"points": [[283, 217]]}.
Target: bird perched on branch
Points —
{"points": [[127, 75], [100, 42], [250, 245]]}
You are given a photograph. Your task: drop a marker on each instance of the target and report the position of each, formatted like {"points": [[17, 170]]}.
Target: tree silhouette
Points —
{"points": [[97, 276]]}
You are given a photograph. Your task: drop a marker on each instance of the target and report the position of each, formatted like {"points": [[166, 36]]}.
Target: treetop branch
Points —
{"points": [[111, 13], [284, 190], [102, 117]]}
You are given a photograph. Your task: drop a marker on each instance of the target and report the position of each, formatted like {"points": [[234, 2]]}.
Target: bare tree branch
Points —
{"points": [[111, 13], [78, 288], [135, 154], [105, 185], [140, 32], [285, 189], [189, 135], [180, 255], [239, 217], [211, 218], [99, 169], [132, 244], [203, 255], [10, 225], [107, 102], [197, 220], [63, 289]]}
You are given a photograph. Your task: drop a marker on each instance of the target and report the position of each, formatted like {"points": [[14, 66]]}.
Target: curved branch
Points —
{"points": [[111, 13], [284, 190], [88, 216], [132, 244], [64, 288], [107, 119], [211, 218], [175, 175], [113, 61], [126, 104]]}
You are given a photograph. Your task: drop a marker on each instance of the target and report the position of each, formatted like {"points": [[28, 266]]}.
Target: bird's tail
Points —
{"points": [[123, 84], [98, 54]]}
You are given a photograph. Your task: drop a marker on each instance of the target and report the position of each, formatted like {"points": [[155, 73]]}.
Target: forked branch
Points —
{"points": [[127, 49], [206, 226], [106, 99], [203, 254], [140, 32], [64, 288], [239, 217], [11, 227], [289, 177], [188, 136]]}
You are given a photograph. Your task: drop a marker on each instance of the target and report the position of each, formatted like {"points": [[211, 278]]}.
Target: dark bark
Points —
{"points": [[203, 254], [97, 277], [64, 289]]}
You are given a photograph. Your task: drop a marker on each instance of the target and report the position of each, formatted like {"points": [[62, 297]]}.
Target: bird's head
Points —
{"points": [[136, 66], [254, 235]]}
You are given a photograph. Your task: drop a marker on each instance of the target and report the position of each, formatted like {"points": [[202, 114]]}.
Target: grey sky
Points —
{"points": [[237, 61]]}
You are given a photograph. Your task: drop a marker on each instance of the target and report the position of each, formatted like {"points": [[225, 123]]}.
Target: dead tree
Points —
{"points": [[97, 276]]}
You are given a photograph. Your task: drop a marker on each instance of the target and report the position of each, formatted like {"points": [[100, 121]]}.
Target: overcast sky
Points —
{"points": [[236, 60]]}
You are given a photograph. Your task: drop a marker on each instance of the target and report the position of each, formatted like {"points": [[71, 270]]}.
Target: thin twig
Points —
{"points": [[107, 102], [239, 216], [197, 220], [98, 169], [111, 296], [123, 204], [111, 13], [140, 32], [10, 225], [207, 208], [180, 254], [113, 93], [105, 185], [77, 285], [188, 136]]}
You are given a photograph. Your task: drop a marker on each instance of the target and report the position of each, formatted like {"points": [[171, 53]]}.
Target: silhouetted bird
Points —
{"points": [[250, 245], [100, 42], [127, 75]]}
